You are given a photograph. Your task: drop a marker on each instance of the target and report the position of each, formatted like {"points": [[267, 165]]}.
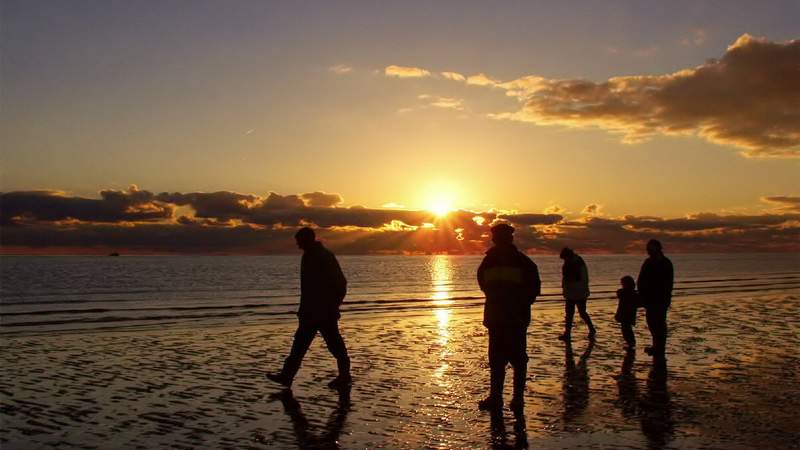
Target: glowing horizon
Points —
{"points": [[572, 120]]}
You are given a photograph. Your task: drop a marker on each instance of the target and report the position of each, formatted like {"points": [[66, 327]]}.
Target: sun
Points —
{"points": [[440, 206]]}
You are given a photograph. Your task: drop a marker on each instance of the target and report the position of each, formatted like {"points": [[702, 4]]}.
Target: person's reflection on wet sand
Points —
{"points": [[499, 437], [655, 408], [576, 382], [305, 438], [626, 385]]}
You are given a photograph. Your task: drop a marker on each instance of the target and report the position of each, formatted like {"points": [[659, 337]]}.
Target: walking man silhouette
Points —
{"points": [[655, 289], [322, 290], [575, 288], [511, 283]]}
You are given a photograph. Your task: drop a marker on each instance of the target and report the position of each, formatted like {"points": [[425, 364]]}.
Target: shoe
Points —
{"points": [[280, 378], [341, 382], [517, 403], [491, 403], [565, 337]]}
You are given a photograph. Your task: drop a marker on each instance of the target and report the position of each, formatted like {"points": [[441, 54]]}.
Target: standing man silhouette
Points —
{"points": [[322, 290], [511, 283], [575, 288], [655, 289]]}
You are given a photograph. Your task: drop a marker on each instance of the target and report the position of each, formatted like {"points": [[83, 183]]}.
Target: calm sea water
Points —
{"points": [[69, 292]]}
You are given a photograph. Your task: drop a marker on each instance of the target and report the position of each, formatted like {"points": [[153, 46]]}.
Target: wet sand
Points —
{"points": [[731, 381]]}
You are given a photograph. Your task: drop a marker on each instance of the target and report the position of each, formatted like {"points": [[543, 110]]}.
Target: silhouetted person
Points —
{"points": [[626, 310], [511, 283], [333, 428], [575, 288], [575, 386], [322, 290], [655, 288], [655, 408]]}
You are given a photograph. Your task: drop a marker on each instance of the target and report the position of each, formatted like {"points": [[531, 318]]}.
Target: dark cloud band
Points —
{"points": [[230, 222]]}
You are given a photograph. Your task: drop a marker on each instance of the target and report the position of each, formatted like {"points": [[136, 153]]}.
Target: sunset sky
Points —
{"points": [[570, 119]]}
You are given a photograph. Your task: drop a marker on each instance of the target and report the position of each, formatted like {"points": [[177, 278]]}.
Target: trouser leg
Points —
{"points": [[627, 333], [519, 361], [335, 342], [302, 340], [569, 313], [585, 315], [657, 323], [497, 362]]}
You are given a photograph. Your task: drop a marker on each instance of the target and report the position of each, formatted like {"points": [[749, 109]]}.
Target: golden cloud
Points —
{"points": [[230, 222], [405, 72], [481, 80], [455, 76], [750, 99]]}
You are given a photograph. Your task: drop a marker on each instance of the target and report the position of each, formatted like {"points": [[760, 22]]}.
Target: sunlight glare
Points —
{"points": [[440, 206]]}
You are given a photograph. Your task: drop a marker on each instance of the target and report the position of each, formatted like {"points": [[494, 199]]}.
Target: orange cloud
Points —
{"points": [[481, 80], [405, 72], [229, 222], [747, 99], [455, 76], [785, 202]]}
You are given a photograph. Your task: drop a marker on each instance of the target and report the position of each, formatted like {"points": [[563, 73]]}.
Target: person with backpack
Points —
{"points": [[575, 288]]}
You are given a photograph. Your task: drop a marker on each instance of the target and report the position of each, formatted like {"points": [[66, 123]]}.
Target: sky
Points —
{"points": [[120, 117]]}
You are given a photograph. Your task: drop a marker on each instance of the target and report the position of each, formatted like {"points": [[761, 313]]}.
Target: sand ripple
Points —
{"points": [[731, 382]]}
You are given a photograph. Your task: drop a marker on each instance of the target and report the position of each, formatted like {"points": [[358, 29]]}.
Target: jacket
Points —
{"points": [[322, 285], [655, 281], [575, 279], [627, 306], [511, 283]]}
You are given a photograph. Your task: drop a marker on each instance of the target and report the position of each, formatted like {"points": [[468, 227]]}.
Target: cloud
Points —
{"points": [[481, 80], [785, 202], [340, 69], [113, 206], [531, 218], [454, 76], [321, 199], [592, 210], [222, 205], [281, 202], [554, 209], [229, 222], [443, 102], [750, 99], [405, 72], [448, 103]]}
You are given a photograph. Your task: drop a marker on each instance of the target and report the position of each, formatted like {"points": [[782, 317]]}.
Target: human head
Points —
{"points": [[502, 233], [654, 247], [304, 237], [627, 282], [566, 252]]}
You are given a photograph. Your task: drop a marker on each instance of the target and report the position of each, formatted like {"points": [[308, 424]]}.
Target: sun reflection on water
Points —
{"points": [[441, 284]]}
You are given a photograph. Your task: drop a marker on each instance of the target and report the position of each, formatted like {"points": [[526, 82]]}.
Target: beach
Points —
{"points": [[731, 381]]}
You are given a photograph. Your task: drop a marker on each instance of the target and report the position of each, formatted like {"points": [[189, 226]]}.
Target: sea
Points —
{"points": [[63, 293]]}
